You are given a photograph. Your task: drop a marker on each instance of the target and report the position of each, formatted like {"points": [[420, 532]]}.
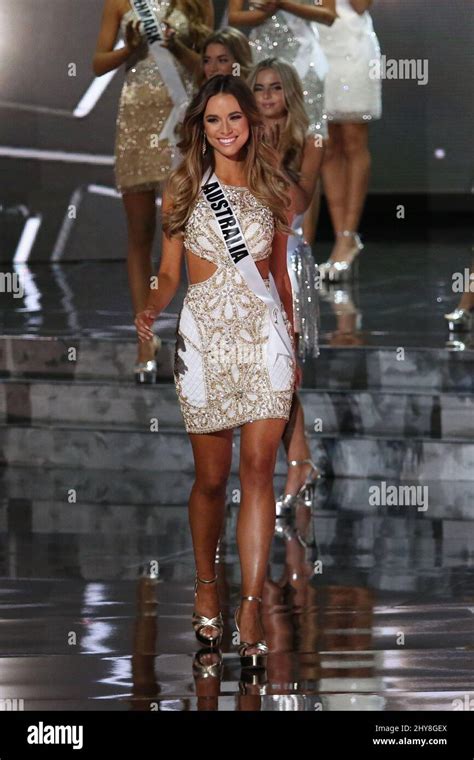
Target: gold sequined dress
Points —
{"points": [[222, 375], [141, 160]]}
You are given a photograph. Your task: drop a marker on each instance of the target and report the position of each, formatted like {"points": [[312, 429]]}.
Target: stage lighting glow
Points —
{"points": [[95, 90], [27, 239]]}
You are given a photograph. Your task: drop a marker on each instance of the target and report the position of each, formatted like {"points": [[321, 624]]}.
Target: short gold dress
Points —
{"points": [[141, 162], [222, 375]]}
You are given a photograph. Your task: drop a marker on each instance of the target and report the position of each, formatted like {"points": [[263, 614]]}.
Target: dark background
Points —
{"points": [[40, 38]]}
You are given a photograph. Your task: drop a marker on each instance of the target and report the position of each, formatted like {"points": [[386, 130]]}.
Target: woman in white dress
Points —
{"points": [[353, 100], [287, 30]]}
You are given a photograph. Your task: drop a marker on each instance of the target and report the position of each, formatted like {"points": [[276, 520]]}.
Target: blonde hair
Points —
{"points": [[264, 179], [293, 136], [195, 12], [236, 43]]}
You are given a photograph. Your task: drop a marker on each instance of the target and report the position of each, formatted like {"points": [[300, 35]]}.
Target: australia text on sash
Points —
{"points": [[227, 222]]}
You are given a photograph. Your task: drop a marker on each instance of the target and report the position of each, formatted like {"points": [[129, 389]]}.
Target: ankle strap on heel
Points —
{"points": [[201, 580]]}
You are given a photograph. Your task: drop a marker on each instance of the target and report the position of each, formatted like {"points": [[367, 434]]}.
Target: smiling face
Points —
{"points": [[226, 126], [217, 59], [269, 94]]}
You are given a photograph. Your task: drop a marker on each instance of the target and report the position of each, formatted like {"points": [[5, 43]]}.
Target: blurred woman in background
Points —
{"points": [[286, 30], [279, 95], [353, 100], [145, 137]]}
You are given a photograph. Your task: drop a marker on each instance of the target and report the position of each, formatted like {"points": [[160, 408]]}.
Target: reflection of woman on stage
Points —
{"points": [[353, 100], [286, 29], [227, 373], [143, 157]]}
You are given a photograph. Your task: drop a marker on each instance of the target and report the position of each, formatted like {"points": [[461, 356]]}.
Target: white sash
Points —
{"points": [[310, 50], [279, 342], [167, 66]]}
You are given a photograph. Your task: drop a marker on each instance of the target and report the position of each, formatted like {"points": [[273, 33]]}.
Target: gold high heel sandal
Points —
{"points": [[208, 670], [257, 660], [201, 621], [286, 503]]}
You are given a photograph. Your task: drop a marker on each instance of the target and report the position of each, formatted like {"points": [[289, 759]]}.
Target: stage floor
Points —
{"points": [[361, 612], [398, 299], [365, 608]]}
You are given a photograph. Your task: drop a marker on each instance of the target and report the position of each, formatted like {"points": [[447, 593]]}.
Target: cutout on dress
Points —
{"points": [[212, 271]]}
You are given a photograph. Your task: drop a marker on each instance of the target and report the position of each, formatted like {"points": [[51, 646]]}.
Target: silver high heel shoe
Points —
{"points": [[337, 271], [286, 503], [201, 621], [460, 320], [257, 660], [145, 372]]}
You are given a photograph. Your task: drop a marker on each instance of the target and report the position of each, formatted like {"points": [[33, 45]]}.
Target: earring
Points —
{"points": [[204, 145]]}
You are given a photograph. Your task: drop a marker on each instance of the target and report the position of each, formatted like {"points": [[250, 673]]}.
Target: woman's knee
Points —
{"points": [[355, 141], [211, 484], [257, 467]]}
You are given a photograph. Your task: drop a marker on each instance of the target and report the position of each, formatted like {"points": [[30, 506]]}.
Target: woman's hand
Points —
{"points": [[169, 37], [272, 134], [133, 38], [144, 321], [268, 7]]}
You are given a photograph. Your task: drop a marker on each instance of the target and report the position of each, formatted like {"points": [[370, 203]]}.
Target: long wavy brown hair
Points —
{"points": [[260, 161], [293, 136], [195, 12], [236, 43]]}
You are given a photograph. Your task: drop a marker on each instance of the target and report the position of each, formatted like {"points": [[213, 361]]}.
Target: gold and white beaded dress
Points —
{"points": [[141, 160], [222, 375]]}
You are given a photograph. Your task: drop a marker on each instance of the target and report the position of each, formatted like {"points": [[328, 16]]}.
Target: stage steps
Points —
{"points": [[368, 413]]}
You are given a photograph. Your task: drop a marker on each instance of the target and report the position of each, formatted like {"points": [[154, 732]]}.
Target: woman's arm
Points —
{"points": [[163, 287], [209, 16], [239, 17], [279, 270], [360, 6], [186, 55], [106, 58], [325, 13], [309, 173]]}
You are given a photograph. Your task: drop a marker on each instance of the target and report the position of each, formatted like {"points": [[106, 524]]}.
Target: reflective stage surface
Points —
{"points": [[399, 298], [363, 609]]}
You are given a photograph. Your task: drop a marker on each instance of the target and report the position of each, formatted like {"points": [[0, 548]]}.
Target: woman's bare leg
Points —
{"points": [[259, 443], [334, 177], [212, 460], [296, 447], [311, 216], [355, 139], [140, 209]]}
